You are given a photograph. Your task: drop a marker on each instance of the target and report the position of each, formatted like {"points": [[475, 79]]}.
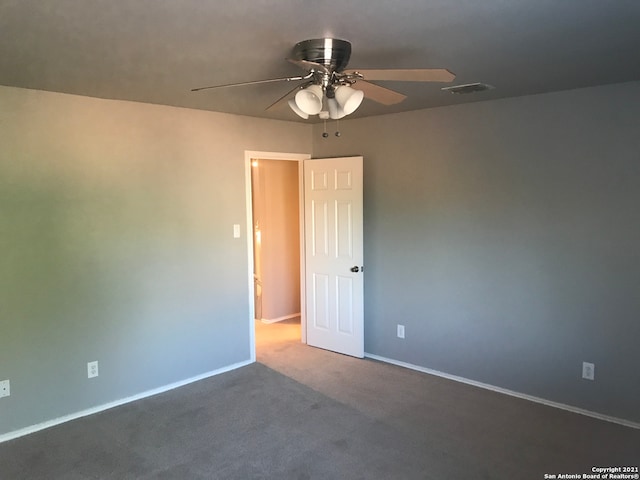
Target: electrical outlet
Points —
{"points": [[588, 371], [92, 369], [5, 388], [400, 331]]}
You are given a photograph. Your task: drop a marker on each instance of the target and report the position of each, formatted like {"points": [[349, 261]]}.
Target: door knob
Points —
{"points": [[355, 269]]}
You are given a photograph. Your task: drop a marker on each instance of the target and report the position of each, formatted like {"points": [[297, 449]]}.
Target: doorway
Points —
{"points": [[330, 207], [276, 240], [274, 233]]}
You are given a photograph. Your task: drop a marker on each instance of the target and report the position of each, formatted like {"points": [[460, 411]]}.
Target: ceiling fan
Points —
{"points": [[326, 89]]}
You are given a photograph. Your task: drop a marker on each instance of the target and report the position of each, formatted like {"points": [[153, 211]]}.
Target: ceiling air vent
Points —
{"points": [[468, 88]]}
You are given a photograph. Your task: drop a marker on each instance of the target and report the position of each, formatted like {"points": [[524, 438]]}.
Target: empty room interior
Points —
{"points": [[319, 240]]}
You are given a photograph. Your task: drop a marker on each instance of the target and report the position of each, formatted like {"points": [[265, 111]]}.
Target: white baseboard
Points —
{"points": [[531, 398], [100, 408], [280, 319]]}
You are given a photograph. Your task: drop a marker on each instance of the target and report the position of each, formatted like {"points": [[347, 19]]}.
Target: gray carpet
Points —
{"points": [[303, 413]]}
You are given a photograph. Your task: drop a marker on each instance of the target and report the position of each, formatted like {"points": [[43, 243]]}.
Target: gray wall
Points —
{"points": [[117, 245], [505, 236]]}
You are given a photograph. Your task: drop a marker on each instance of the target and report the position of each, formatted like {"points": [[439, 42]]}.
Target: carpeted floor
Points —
{"points": [[304, 413]]}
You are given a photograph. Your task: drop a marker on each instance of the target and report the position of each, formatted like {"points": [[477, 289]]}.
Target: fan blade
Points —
{"points": [[255, 82], [379, 94], [409, 75], [307, 65]]}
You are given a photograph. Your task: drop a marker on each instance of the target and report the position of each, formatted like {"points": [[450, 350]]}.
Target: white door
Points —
{"points": [[334, 254]]}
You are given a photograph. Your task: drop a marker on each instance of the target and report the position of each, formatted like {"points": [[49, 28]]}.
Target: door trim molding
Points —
{"points": [[250, 155]]}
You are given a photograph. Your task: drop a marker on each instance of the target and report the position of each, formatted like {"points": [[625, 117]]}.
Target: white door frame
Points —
{"points": [[249, 155]]}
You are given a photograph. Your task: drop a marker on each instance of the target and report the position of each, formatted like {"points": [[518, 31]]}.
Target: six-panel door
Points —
{"points": [[334, 247]]}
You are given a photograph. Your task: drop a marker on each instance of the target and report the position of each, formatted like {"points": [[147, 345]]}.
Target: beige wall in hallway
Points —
{"points": [[277, 239]]}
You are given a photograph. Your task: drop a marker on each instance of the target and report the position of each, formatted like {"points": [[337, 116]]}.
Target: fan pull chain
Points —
{"points": [[337, 127], [325, 134]]}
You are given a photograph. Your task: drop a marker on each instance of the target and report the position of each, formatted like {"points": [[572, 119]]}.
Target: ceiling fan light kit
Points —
{"points": [[294, 107], [348, 98], [335, 110], [327, 83], [340, 101], [309, 99]]}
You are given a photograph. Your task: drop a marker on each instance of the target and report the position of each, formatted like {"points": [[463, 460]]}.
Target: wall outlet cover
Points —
{"points": [[588, 371], [92, 369], [5, 388]]}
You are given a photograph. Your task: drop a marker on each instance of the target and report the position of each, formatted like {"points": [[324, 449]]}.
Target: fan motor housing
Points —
{"points": [[330, 52]]}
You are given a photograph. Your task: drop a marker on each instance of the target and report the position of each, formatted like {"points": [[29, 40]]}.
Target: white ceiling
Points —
{"points": [[155, 51]]}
